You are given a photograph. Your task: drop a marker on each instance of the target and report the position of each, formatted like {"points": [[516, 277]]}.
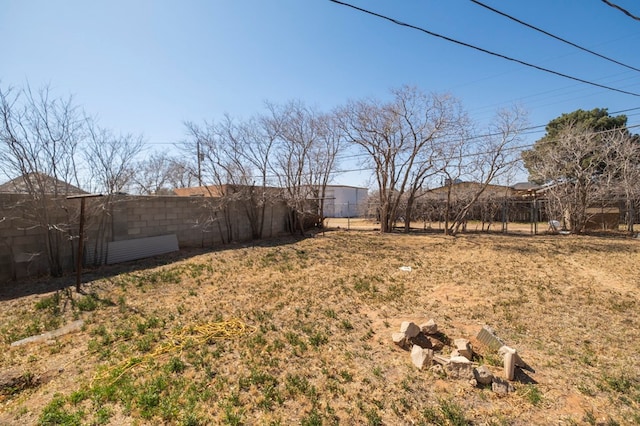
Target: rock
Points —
{"points": [[9, 378], [440, 359], [505, 349], [501, 387], [510, 365], [421, 357], [517, 360], [14, 380], [422, 341], [463, 346], [460, 368], [483, 375], [510, 359], [409, 329], [436, 344], [454, 353], [400, 339], [459, 360], [430, 327], [69, 328]]}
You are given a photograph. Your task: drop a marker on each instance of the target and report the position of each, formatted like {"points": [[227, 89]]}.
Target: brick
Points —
{"points": [[430, 327], [463, 346], [421, 357], [409, 328]]}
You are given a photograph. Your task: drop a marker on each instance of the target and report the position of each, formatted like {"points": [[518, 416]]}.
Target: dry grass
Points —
{"points": [[317, 349]]}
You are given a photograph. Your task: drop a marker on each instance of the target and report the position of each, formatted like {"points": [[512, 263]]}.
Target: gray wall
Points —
{"points": [[196, 221], [345, 201]]}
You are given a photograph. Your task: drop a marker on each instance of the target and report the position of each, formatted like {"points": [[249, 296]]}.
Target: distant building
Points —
{"points": [[345, 201], [40, 183], [460, 189]]}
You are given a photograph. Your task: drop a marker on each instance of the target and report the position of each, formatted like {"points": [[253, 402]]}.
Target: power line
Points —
{"points": [[554, 36], [467, 155], [480, 49], [626, 12], [524, 131], [494, 151]]}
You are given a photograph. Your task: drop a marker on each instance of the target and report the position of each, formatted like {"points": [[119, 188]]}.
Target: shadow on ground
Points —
{"points": [[42, 285]]}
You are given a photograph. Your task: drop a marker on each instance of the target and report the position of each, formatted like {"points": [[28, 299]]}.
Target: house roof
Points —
{"points": [[525, 186], [213, 190], [51, 185], [347, 186], [460, 186], [199, 191]]}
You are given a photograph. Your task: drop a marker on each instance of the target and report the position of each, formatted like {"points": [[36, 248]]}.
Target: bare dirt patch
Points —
{"points": [[317, 348]]}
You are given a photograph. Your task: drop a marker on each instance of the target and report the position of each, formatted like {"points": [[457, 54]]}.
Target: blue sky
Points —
{"points": [[144, 67]]}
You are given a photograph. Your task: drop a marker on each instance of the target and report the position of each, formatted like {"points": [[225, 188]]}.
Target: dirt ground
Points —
{"points": [[306, 330]]}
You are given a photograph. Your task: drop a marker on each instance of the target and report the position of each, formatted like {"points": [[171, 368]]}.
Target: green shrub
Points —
{"points": [[56, 414]]}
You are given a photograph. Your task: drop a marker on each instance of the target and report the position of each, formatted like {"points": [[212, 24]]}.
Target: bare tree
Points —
{"points": [[159, 173], [400, 139], [370, 125], [323, 158], [451, 163], [304, 158], [111, 164], [111, 158], [427, 121], [252, 144], [573, 172], [180, 174], [39, 137], [292, 159], [290, 145], [493, 156], [217, 171], [622, 174], [235, 158], [260, 136]]}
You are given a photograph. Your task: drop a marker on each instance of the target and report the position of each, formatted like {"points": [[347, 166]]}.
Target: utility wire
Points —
{"points": [[480, 49], [626, 12], [504, 149], [554, 36], [524, 131], [466, 155]]}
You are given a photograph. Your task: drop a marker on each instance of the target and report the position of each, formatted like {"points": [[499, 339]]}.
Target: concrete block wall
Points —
{"points": [[23, 249], [196, 221]]}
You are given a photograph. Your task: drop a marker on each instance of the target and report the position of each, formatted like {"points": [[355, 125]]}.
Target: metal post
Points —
{"points": [[199, 162], [80, 244], [81, 237], [534, 216]]}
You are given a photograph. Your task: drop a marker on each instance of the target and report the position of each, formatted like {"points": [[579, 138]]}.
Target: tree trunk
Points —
{"points": [[408, 211]]}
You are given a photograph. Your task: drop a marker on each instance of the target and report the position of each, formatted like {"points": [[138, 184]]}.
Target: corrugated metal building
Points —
{"points": [[345, 201]]}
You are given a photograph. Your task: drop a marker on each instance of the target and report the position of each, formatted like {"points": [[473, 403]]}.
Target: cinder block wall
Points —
{"points": [[23, 250], [197, 222]]}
